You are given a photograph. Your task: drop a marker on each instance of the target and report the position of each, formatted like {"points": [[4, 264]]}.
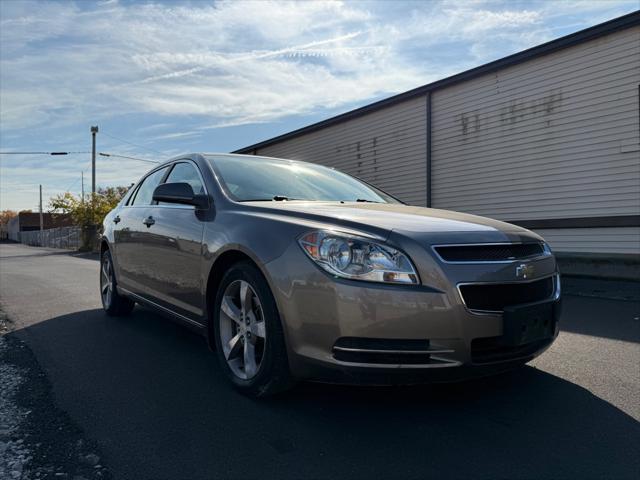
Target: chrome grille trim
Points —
{"points": [[369, 350]]}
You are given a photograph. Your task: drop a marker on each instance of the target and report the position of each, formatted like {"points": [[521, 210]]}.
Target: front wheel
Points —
{"points": [[248, 334], [113, 303]]}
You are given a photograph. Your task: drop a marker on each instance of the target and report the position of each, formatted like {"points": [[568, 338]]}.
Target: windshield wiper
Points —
{"points": [[364, 200], [275, 198]]}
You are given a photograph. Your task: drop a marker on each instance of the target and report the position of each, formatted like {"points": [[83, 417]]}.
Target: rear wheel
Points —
{"points": [[113, 303], [248, 333]]}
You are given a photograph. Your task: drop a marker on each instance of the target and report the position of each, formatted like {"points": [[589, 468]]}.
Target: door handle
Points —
{"points": [[116, 219], [149, 221]]}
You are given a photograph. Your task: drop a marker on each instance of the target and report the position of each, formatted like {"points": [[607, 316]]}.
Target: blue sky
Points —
{"points": [[163, 78]]}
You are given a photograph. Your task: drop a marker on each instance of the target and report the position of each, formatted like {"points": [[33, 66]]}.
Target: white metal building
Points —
{"points": [[547, 138]]}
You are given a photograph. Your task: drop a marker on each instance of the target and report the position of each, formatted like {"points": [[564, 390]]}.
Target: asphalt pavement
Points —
{"points": [[151, 398]]}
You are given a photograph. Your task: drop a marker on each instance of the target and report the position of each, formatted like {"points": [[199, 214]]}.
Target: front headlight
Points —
{"points": [[358, 258]]}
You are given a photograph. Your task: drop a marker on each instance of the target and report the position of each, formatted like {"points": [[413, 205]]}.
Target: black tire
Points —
{"points": [[273, 375], [115, 305]]}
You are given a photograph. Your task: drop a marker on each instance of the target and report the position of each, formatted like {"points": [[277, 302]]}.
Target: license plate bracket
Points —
{"points": [[528, 323]]}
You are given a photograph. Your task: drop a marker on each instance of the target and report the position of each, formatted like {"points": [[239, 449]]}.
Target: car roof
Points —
{"points": [[202, 155]]}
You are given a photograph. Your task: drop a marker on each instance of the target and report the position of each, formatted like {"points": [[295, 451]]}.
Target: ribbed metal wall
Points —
{"points": [[593, 240], [386, 148], [550, 138], [557, 136]]}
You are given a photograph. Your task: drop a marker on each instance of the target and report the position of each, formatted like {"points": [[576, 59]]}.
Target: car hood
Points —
{"points": [[388, 217]]}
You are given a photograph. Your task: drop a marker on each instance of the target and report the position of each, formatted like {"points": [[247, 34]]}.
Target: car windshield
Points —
{"points": [[265, 179]]}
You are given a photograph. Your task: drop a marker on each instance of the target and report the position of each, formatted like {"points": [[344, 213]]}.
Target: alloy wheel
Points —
{"points": [[242, 329], [106, 282]]}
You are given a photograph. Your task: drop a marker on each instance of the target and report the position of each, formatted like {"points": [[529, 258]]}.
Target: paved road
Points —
{"points": [[152, 396]]}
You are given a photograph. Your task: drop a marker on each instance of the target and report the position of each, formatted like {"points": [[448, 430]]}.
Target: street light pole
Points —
{"points": [[94, 130], [41, 218]]}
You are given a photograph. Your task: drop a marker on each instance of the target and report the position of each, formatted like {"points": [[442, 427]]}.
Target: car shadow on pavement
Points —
{"points": [[599, 317], [154, 398]]}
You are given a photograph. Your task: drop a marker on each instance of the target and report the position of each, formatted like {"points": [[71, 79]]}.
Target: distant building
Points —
{"points": [[29, 221]]}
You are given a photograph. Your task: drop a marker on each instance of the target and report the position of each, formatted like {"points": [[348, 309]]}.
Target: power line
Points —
{"points": [[73, 153], [41, 153], [131, 143], [25, 153], [74, 182], [125, 156]]}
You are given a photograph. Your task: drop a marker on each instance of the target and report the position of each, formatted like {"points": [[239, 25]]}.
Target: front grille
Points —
{"points": [[489, 253], [495, 296]]}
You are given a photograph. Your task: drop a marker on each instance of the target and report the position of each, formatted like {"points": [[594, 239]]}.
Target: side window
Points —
{"points": [[187, 173], [144, 195]]}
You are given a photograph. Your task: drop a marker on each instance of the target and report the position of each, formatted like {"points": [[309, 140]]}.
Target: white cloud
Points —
{"points": [[177, 60], [230, 61], [168, 136], [193, 67]]}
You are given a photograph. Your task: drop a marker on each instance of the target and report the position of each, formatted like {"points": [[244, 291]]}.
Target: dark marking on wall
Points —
{"points": [[465, 123], [360, 157], [514, 112], [518, 110], [470, 122]]}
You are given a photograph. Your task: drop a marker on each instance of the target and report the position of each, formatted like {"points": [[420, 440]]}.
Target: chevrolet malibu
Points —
{"points": [[293, 271]]}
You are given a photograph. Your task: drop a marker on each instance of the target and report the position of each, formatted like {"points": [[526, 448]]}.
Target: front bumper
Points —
{"points": [[325, 317]]}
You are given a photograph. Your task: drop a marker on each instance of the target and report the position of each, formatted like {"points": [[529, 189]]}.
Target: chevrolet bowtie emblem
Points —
{"points": [[524, 270]]}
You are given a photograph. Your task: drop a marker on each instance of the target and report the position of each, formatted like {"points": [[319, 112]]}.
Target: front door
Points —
{"points": [[172, 247], [130, 230]]}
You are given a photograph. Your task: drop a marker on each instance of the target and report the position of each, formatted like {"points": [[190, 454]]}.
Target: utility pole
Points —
{"points": [[82, 182], [41, 218], [94, 130]]}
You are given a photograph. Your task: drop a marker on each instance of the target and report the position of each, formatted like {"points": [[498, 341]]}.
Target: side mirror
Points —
{"points": [[179, 192]]}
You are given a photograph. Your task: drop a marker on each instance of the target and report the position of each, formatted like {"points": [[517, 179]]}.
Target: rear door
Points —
{"points": [[129, 234], [172, 248]]}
